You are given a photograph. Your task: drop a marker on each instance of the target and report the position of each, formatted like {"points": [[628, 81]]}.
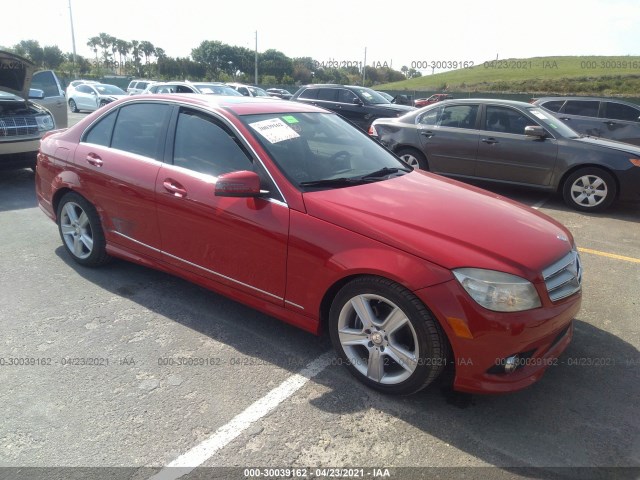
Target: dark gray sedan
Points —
{"points": [[515, 143]]}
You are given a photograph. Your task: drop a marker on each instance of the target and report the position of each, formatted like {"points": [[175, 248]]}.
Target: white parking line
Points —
{"points": [[195, 457], [536, 206]]}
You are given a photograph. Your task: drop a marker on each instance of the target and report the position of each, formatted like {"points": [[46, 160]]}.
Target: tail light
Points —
{"points": [[372, 131]]}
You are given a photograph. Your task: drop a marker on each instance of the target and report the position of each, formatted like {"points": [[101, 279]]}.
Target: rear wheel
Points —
{"points": [[386, 336], [589, 189], [413, 157], [81, 231], [72, 106]]}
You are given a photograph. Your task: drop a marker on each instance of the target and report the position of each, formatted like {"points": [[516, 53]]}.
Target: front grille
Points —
{"points": [[564, 277], [18, 126]]}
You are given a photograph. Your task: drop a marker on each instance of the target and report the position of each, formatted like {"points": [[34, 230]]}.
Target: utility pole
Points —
{"points": [[256, 62], [73, 40], [364, 66]]}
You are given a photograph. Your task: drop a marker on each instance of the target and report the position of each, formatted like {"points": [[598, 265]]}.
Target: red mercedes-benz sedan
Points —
{"points": [[291, 210]]}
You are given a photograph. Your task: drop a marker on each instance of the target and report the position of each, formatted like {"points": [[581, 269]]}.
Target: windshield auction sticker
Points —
{"points": [[274, 130], [539, 114]]}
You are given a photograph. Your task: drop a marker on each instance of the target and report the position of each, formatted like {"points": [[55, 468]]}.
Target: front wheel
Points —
{"points": [[414, 158], [103, 103], [589, 189], [72, 106], [386, 336], [81, 231]]}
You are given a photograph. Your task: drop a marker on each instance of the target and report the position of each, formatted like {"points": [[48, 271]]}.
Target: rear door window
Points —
{"points": [[459, 116], [309, 93], [585, 108], [141, 129], [553, 105], [328, 94]]}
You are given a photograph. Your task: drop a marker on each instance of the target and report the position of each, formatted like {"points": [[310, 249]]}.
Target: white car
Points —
{"points": [[90, 97], [138, 86], [74, 83]]}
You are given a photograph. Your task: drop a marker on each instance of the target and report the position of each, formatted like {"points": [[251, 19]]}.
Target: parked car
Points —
{"points": [[74, 83], [359, 105], [90, 97], [136, 87], [205, 88], [22, 121], [435, 98], [249, 91], [517, 143], [280, 93], [599, 117], [291, 210]]}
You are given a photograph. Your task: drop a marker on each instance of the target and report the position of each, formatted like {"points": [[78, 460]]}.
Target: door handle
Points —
{"points": [[490, 140], [427, 133], [565, 119], [94, 160], [610, 123], [174, 187]]}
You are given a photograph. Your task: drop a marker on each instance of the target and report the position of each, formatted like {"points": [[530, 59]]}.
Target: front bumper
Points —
{"points": [[481, 339], [629, 184]]}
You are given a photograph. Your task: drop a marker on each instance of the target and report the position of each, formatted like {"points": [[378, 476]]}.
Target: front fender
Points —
{"points": [[322, 255]]}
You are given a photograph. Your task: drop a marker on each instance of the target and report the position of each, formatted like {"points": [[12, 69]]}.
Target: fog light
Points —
{"points": [[510, 364]]}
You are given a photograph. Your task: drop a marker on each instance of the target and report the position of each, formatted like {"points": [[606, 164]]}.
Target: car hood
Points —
{"points": [[607, 143], [15, 74], [447, 223], [394, 107]]}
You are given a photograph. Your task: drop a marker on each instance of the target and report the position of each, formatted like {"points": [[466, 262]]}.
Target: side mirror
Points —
{"points": [[36, 93], [535, 131], [238, 184], [357, 101]]}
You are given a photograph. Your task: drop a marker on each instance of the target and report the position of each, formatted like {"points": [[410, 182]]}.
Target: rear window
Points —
{"points": [[620, 111]]}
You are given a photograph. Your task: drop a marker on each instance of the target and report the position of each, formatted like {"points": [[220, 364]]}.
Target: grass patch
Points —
{"points": [[595, 75]]}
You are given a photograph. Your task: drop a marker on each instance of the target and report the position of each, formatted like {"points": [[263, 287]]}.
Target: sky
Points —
{"points": [[398, 32]]}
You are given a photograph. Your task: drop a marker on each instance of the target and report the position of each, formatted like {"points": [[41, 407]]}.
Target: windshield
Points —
{"points": [[370, 96], [258, 92], [552, 123], [215, 89], [109, 89], [9, 96], [321, 150]]}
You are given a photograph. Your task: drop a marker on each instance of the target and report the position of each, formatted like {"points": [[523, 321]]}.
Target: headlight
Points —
{"points": [[498, 291], [45, 123]]}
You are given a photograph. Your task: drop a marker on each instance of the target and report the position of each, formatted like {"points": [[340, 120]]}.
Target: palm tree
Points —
{"points": [[123, 47], [135, 52], [147, 49], [93, 45], [105, 43]]}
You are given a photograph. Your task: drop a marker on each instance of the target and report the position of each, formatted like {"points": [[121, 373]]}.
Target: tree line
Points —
{"points": [[211, 61]]}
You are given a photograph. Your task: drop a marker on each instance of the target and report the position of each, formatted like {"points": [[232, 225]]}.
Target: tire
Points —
{"points": [[81, 231], [589, 189], [399, 348], [103, 103], [72, 106], [414, 158]]}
